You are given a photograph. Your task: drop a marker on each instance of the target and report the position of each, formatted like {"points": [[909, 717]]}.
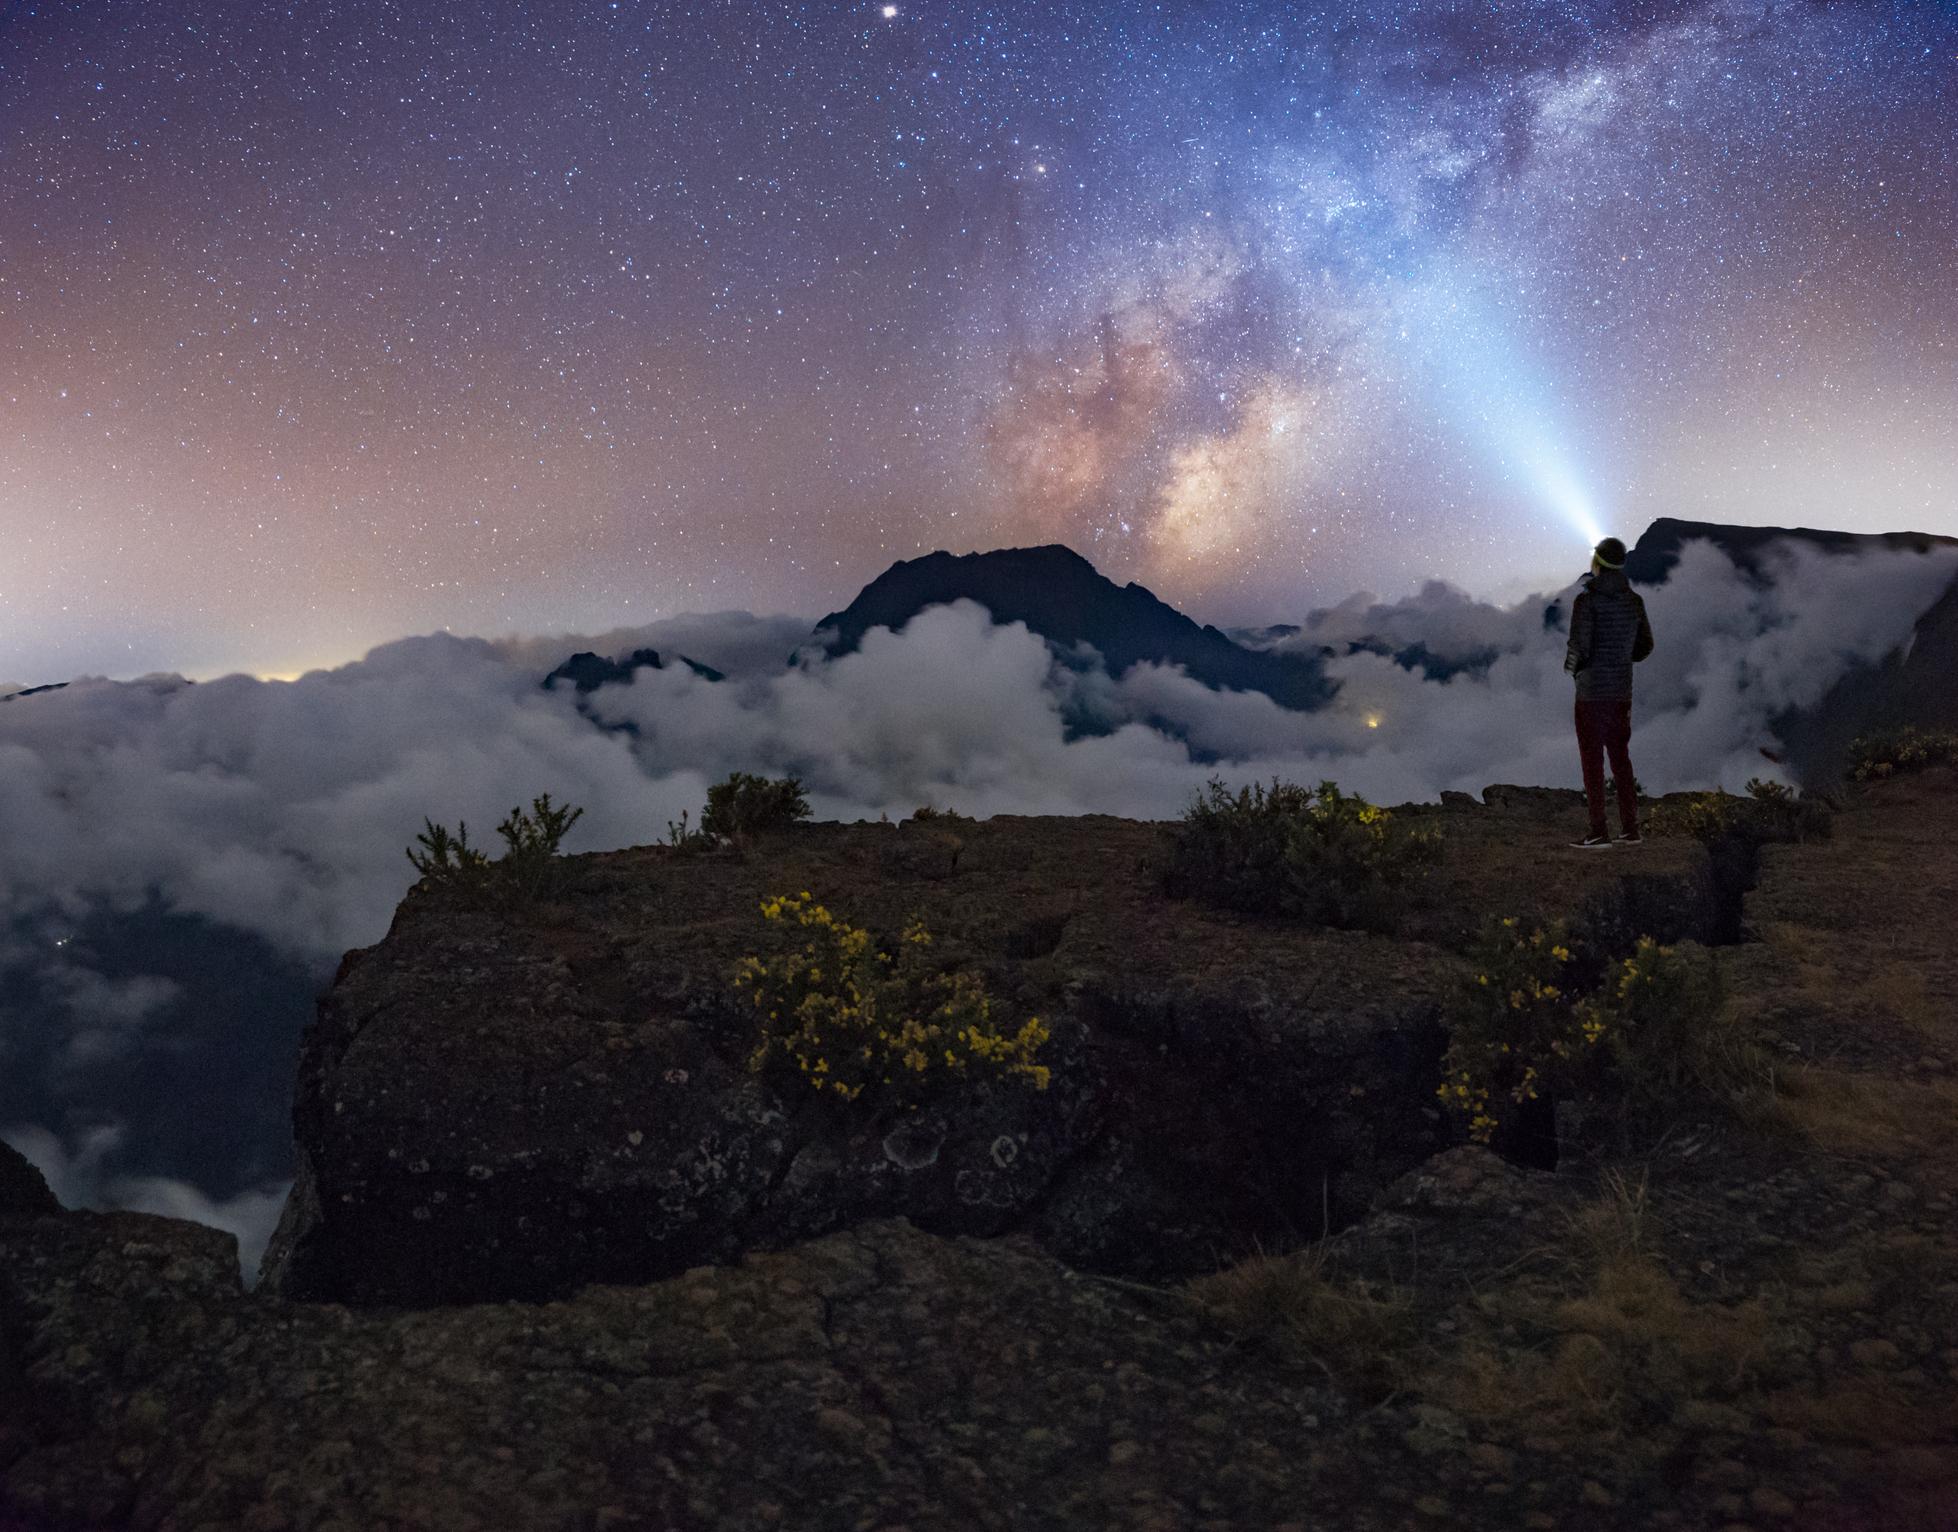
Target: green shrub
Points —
{"points": [[849, 1018], [1771, 811], [531, 862], [1318, 855], [529, 867], [1234, 849], [746, 805], [1703, 816], [446, 860], [1905, 749], [1774, 811]]}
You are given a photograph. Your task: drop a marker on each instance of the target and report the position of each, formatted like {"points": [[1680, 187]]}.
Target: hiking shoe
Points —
{"points": [[1593, 843], [1634, 839]]}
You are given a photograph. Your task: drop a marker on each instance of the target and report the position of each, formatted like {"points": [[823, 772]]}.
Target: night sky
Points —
{"points": [[324, 324]]}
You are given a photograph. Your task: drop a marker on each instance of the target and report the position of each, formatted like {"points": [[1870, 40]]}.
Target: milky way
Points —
{"points": [[322, 324]]}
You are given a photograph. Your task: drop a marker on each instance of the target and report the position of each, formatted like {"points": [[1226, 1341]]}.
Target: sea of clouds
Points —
{"points": [[283, 808]]}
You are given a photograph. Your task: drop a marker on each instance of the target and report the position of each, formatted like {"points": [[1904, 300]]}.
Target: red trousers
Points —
{"points": [[1604, 727]]}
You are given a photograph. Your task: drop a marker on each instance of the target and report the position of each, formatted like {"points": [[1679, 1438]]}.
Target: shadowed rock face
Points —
{"points": [[1060, 595], [23, 1191], [491, 1108]]}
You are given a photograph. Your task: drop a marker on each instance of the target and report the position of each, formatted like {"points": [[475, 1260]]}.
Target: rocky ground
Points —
{"points": [[494, 1106], [1754, 1324]]}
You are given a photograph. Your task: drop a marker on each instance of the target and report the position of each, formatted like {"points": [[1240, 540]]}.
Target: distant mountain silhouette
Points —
{"points": [[587, 671], [1067, 601], [1657, 549]]}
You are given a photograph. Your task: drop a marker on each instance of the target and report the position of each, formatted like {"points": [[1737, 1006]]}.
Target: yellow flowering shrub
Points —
{"points": [[849, 1017], [1669, 1037], [1513, 1032], [1654, 1036], [1906, 749]]}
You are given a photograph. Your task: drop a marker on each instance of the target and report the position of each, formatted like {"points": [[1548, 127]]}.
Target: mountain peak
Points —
{"points": [[1062, 596]]}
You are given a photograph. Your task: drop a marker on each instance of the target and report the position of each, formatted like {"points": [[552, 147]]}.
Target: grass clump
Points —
{"points": [[529, 869], [1354, 1331], [847, 1017], [1616, 1349], [1855, 1114], [1318, 855], [1888, 751]]}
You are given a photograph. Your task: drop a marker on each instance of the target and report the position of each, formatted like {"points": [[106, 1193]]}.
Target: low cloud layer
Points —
{"points": [[282, 809]]}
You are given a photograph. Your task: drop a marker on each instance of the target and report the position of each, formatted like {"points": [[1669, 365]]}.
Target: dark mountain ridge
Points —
{"points": [[587, 671], [1657, 549], [1062, 597]]}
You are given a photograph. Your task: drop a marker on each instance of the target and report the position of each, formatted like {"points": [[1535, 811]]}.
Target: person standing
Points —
{"points": [[1609, 634]]}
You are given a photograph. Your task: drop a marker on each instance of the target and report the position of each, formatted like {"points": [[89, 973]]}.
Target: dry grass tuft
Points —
{"points": [[1625, 1350], [1863, 1115], [1355, 1333], [1906, 995], [1616, 1224], [1625, 1354]]}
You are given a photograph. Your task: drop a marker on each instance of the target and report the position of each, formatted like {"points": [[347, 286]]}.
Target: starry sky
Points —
{"points": [[326, 323]]}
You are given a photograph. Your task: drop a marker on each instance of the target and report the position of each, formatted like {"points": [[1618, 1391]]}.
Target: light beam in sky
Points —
{"points": [[1488, 385]]}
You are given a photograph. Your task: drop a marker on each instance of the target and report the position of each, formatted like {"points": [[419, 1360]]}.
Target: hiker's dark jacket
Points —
{"points": [[1608, 635]]}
